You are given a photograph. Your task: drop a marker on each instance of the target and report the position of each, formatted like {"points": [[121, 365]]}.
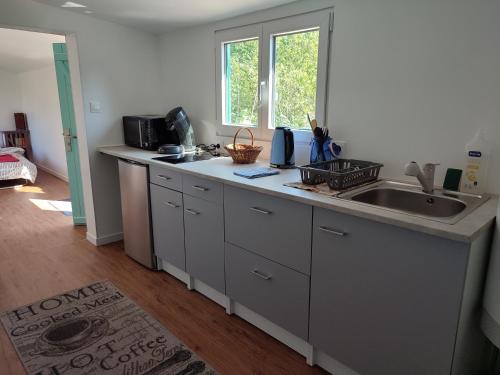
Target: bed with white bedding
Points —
{"points": [[22, 169]]}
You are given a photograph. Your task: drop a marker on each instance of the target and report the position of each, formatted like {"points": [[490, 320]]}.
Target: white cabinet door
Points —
{"points": [[168, 225], [204, 237], [384, 300]]}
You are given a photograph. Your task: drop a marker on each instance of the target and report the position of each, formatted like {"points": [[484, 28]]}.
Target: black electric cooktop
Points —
{"points": [[186, 158]]}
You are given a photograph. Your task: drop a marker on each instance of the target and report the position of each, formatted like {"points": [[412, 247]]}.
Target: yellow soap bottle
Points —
{"points": [[476, 165]]}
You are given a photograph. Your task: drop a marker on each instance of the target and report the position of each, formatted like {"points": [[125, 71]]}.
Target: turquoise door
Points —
{"points": [[69, 131]]}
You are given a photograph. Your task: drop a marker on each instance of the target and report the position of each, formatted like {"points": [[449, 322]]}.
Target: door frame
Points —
{"points": [[79, 110]]}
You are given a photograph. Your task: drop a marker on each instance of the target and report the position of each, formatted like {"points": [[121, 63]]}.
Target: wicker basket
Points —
{"points": [[242, 153]]}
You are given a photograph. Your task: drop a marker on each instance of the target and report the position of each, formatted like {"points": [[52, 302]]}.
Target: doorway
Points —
{"points": [[35, 85]]}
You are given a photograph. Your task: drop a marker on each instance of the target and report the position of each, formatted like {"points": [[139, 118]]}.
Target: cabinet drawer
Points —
{"points": [[202, 188], [204, 238], [165, 177], [168, 225], [275, 228], [271, 290]]}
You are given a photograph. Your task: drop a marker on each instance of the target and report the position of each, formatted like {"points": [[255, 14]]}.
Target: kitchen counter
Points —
{"points": [[221, 170]]}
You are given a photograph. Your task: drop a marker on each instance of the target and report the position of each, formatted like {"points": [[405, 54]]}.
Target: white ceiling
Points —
{"points": [[21, 51], [159, 16]]}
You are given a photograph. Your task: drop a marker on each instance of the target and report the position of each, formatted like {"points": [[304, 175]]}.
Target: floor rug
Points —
{"points": [[96, 329]]}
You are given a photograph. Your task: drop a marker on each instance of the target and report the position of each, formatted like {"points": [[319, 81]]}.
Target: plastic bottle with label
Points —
{"points": [[474, 179]]}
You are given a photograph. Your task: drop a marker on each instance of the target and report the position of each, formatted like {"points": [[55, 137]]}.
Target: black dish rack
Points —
{"points": [[340, 174]]}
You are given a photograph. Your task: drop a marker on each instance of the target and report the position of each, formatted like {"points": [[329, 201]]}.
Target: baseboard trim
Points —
{"points": [[193, 283], [52, 172], [312, 355], [104, 240], [173, 270]]}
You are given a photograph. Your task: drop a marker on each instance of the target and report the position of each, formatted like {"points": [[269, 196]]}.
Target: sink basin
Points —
{"points": [[412, 202], [444, 206]]}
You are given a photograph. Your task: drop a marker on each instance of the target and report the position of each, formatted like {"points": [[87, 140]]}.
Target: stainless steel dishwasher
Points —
{"points": [[136, 214]]}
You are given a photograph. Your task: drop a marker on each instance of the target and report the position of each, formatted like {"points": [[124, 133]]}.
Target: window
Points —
{"points": [[295, 74], [273, 74], [241, 81]]}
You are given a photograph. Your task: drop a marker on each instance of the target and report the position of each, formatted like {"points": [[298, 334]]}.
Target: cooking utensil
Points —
{"points": [[312, 123]]}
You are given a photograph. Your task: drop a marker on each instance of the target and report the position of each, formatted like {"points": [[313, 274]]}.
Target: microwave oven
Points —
{"points": [[147, 132]]}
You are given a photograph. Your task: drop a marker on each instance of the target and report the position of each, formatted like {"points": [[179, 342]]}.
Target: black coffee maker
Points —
{"points": [[180, 130]]}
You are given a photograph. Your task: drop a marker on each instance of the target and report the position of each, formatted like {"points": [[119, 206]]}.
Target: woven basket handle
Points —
{"points": [[234, 139]]}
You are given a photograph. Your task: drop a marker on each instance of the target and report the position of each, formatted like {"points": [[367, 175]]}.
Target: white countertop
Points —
{"points": [[221, 169]]}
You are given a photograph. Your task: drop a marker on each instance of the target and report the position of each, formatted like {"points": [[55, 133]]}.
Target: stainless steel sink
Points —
{"points": [[441, 205]]}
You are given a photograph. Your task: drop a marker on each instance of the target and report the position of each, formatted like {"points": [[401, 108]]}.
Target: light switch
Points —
{"points": [[95, 106]]}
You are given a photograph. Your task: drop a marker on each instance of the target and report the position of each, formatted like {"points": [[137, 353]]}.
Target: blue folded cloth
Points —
{"points": [[256, 172]]}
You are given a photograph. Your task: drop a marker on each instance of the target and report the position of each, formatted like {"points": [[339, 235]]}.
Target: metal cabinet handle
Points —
{"points": [[261, 211], [257, 273], [171, 204], [332, 231], [200, 188], [162, 177], [262, 87], [192, 212]]}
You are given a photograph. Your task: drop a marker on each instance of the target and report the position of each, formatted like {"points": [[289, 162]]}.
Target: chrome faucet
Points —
{"points": [[424, 176]]}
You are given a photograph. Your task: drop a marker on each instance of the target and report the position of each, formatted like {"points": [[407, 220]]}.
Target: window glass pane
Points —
{"points": [[241, 71], [295, 66]]}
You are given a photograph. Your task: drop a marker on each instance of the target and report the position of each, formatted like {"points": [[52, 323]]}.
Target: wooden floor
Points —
{"points": [[42, 254]]}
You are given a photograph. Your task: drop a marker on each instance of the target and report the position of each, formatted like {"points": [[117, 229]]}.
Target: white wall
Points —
{"points": [[10, 99], [40, 102], [119, 67], [409, 80], [413, 80]]}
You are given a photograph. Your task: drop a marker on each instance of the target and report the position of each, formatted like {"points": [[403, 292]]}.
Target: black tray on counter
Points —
{"points": [[340, 174]]}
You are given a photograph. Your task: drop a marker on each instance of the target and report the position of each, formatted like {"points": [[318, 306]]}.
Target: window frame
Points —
{"points": [[265, 33], [224, 37]]}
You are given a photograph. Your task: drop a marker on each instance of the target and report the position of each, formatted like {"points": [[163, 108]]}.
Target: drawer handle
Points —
{"points": [[261, 211], [192, 212], [261, 275], [162, 177], [200, 188], [171, 204], [332, 231]]}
